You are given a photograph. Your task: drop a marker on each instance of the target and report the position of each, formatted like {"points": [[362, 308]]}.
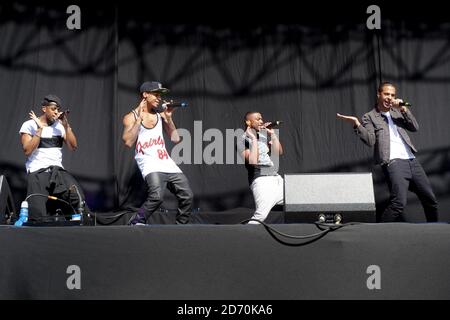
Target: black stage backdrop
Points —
{"points": [[299, 66]]}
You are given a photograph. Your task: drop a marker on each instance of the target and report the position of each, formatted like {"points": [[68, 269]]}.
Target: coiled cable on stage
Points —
{"points": [[324, 227], [52, 198]]}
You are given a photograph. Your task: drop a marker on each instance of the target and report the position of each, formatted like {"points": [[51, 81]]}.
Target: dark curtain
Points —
{"points": [[302, 71]]}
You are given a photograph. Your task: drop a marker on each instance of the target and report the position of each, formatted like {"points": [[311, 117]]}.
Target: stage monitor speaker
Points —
{"points": [[7, 207], [329, 198]]}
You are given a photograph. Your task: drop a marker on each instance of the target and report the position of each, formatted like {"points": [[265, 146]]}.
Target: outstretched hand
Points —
{"points": [[351, 119], [140, 108], [36, 119]]}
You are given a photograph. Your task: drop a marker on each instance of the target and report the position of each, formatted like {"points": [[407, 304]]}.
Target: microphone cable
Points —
{"points": [[324, 228], [51, 198]]}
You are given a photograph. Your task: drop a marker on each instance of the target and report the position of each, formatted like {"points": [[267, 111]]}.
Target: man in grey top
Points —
{"points": [[261, 149], [384, 127]]}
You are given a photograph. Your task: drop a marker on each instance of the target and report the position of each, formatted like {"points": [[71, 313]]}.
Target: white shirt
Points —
{"points": [[150, 151], [48, 153], [398, 148]]}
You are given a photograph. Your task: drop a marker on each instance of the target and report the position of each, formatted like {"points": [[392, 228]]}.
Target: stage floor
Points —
{"points": [[360, 261]]}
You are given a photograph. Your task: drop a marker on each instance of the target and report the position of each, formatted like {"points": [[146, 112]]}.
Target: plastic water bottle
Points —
{"points": [[76, 217], [23, 215]]}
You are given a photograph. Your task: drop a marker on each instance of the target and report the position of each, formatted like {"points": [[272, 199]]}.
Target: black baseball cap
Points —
{"points": [[51, 99], [153, 86]]}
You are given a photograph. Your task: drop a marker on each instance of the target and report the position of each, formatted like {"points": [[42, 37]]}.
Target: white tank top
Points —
{"points": [[150, 151]]}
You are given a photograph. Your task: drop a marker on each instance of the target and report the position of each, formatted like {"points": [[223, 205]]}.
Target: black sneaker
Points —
{"points": [[137, 220]]}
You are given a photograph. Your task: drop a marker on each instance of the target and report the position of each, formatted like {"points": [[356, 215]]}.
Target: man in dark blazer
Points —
{"points": [[385, 127]]}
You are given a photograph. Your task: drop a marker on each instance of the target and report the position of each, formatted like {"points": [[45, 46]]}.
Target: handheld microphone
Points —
{"points": [[274, 124], [64, 113], [405, 103], [166, 105]]}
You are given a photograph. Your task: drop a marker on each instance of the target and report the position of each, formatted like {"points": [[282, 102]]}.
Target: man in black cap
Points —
{"points": [[42, 140], [143, 129]]}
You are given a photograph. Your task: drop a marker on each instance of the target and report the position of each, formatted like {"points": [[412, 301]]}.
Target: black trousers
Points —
{"points": [[157, 182], [403, 175], [44, 183]]}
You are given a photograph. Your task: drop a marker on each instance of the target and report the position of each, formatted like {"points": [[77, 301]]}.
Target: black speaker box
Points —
{"points": [[329, 198]]}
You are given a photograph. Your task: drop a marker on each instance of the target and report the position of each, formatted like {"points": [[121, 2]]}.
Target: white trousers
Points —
{"points": [[267, 192]]}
